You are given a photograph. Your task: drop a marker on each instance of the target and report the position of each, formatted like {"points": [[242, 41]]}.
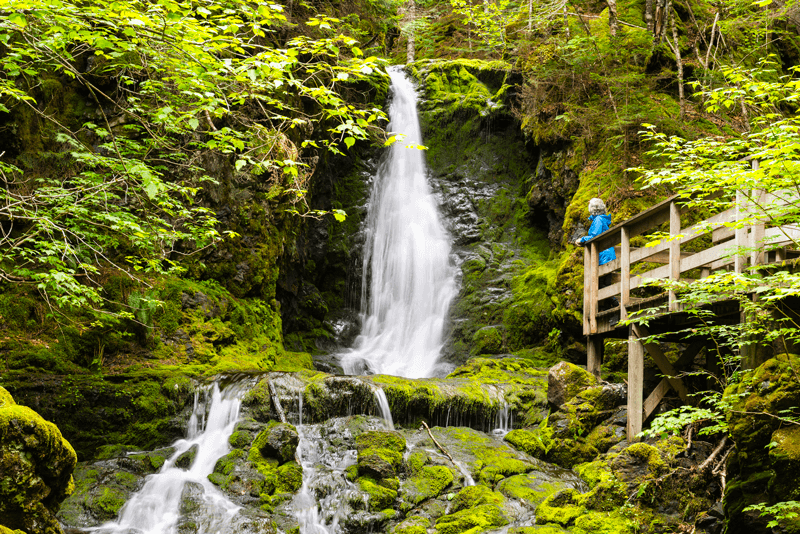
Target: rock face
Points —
{"points": [[763, 474], [36, 465]]}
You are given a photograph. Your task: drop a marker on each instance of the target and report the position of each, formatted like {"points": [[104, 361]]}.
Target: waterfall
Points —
{"points": [[384, 408], [408, 279], [155, 508]]}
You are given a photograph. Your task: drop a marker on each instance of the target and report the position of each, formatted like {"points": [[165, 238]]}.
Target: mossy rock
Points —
{"points": [[562, 508], [185, 460], [487, 340], [531, 488], [770, 388], [412, 525], [535, 441], [565, 380], [36, 465], [278, 441], [473, 520], [473, 496], [379, 497], [427, 482]]}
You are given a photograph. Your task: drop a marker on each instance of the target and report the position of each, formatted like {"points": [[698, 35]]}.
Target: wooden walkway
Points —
{"points": [[696, 252]]}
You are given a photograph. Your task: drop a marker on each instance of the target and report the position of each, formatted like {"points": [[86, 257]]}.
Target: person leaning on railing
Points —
{"points": [[600, 222]]}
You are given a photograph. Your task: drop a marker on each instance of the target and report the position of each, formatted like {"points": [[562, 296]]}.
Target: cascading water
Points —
{"points": [[409, 280], [155, 508]]}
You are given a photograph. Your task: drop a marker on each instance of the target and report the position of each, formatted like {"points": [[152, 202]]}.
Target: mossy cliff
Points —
{"points": [[36, 465], [766, 459]]}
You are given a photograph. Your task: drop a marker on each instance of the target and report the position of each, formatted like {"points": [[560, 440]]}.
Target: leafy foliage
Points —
{"points": [[173, 85]]}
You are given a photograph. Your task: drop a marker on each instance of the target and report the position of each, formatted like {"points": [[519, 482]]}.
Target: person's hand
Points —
{"points": [[578, 242]]}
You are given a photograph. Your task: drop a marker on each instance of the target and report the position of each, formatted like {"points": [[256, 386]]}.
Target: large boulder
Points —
{"points": [[36, 465], [565, 380]]}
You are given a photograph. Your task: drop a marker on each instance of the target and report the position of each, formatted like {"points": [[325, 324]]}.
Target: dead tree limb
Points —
{"points": [[425, 426]]}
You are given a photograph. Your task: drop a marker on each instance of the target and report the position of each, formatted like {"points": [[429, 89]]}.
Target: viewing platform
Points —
{"points": [[689, 253]]}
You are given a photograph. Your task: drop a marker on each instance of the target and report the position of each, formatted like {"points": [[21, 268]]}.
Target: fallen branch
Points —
{"points": [[425, 426], [714, 453], [273, 394]]}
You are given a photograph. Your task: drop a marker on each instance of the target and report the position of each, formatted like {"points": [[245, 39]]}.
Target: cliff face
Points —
{"points": [[36, 465]]}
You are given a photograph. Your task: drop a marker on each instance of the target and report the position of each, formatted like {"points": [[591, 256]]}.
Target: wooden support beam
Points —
{"points": [[635, 384], [594, 354], [674, 252], [640, 331], [663, 387]]}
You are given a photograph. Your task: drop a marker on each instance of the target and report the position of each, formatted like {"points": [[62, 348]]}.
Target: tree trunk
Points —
{"points": [[412, 17], [613, 24], [660, 20], [676, 48], [648, 14]]}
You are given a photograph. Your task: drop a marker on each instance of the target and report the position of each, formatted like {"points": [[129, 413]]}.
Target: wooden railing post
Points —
{"points": [[674, 251], [587, 273], [740, 261], [594, 261], [625, 274]]}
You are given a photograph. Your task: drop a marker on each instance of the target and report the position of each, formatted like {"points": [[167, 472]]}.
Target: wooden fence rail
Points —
{"points": [[689, 253]]}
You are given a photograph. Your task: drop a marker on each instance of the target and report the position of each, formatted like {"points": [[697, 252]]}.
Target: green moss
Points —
{"points": [[487, 340], [240, 439], [493, 461], [473, 520], [427, 482], [289, 478], [537, 441], [562, 508], [650, 455], [604, 523], [472, 496], [379, 497], [412, 525]]}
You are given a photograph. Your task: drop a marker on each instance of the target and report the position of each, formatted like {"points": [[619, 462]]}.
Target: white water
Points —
{"points": [[155, 508], [504, 421], [408, 280], [384, 408], [320, 516]]}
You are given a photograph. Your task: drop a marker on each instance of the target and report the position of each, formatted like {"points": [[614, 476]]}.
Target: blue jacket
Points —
{"points": [[600, 224]]}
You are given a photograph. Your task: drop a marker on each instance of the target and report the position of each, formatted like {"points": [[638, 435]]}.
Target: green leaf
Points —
{"points": [[339, 215], [349, 141], [18, 19]]}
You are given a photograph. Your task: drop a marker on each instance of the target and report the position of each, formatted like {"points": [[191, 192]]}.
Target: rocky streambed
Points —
{"points": [[309, 452]]}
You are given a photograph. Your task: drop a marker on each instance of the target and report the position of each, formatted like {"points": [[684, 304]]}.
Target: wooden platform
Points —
{"points": [[690, 253]]}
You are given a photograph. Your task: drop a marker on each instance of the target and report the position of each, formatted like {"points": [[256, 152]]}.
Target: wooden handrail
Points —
{"points": [[677, 262]]}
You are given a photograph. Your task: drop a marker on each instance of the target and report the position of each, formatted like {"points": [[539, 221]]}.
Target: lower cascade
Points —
{"points": [[155, 509]]}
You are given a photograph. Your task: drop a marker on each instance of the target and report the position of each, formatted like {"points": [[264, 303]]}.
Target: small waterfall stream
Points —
{"points": [[155, 508], [409, 280]]}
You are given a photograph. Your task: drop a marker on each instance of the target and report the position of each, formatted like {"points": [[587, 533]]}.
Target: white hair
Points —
{"points": [[596, 207]]}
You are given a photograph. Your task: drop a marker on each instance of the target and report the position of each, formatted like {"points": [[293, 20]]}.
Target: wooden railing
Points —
{"points": [[718, 252]]}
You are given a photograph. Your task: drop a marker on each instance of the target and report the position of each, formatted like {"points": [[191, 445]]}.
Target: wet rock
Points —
{"points": [[278, 441], [565, 380], [101, 489], [184, 461], [36, 465]]}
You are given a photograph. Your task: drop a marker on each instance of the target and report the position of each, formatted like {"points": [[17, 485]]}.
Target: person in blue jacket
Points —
{"points": [[600, 222]]}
